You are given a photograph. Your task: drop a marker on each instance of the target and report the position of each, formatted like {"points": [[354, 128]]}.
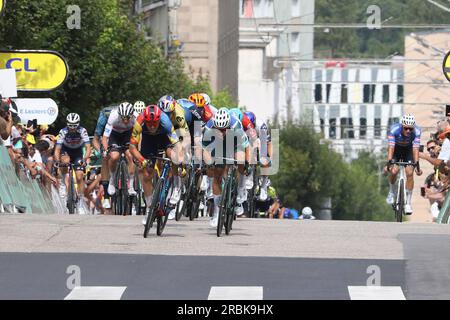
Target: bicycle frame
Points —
{"points": [[402, 177]]}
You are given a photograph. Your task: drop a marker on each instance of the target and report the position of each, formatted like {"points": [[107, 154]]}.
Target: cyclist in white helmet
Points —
{"points": [[220, 129], [117, 134], [404, 143], [69, 149]]}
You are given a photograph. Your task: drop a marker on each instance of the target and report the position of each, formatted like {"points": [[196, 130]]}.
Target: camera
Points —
{"points": [[421, 148]]}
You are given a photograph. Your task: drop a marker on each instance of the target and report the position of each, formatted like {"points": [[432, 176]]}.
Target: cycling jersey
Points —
{"points": [[263, 130], [235, 125], [116, 124], [246, 123], [165, 128], [103, 120], [178, 118], [396, 137], [73, 140], [202, 114]]}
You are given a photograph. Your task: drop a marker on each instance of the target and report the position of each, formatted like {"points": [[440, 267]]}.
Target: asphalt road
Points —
{"points": [[261, 259]]}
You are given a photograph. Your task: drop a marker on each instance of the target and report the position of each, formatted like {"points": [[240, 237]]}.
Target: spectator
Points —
{"points": [[275, 209], [262, 207], [307, 214], [6, 119]]}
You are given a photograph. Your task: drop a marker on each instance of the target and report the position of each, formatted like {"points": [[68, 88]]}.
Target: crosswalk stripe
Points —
{"points": [[236, 293], [376, 293], [96, 293]]}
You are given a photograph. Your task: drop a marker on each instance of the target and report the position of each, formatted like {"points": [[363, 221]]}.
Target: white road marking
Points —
{"points": [[96, 293], [236, 293], [376, 293]]}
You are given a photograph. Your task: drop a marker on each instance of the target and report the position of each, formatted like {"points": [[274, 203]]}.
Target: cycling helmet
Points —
{"points": [[307, 211], [152, 114], [238, 113], [166, 104], [207, 99], [185, 103], [251, 116], [408, 120], [139, 106], [126, 109], [73, 119], [198, 99], [222, 118]]}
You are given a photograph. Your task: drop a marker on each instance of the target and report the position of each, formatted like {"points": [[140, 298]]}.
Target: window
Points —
{"points": [[318, 93], [295, 8], [322, 126], [295, 42], [344, 93], [392, 121], [347, 128], [262, 8], [332, 132], [386, 93], [328, 92], [377, 129], [400, 94], [362, 127], [369, 93], [246, 8]]}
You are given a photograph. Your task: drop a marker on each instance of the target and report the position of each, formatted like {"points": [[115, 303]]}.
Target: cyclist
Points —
{"points": [[179, 118], [404, 143], [263, 144], [96, 142], [117, 133], [69, 149], [225, 126], [157, 133]]}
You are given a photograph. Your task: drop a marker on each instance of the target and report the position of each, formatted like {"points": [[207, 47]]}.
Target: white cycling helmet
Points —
{"points": [[307, 211], [139, 106], [73, 119], [222, 118], [207, 99], [408, 120], [126, 109]]}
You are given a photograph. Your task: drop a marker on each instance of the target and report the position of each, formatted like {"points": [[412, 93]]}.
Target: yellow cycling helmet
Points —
{"points": [[30, 138], [198, 99]]}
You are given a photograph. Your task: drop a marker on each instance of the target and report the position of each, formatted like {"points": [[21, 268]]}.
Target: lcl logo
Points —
{"points": [[18, 64]]}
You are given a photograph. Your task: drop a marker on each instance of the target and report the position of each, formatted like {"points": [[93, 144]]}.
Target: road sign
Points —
{"points": [[36, 70], [45, 111], [2, 5], [446, 66], [8, 83]]}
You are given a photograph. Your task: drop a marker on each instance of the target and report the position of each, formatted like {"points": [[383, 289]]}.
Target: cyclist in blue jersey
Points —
{"points": [[69, 149], [96, 143], [404, 143]]}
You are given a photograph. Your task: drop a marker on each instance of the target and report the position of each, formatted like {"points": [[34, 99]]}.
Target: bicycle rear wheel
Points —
{"points": [[223, 209], [231, 216], [153, 209]]}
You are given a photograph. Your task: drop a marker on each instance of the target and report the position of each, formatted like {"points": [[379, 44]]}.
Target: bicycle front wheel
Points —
{"points": [[401, 203], [163, 215], [71, 198], [153, 210], [223, 209]]}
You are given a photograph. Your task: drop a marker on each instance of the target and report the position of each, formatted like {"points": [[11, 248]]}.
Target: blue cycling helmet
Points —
{"points": [[251, 116], [238, 113], [165, 103], [186, 103]]}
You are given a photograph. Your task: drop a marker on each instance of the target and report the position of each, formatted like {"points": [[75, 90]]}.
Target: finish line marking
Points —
{"points": [[236, 293], [96, 293], [375, 293]]}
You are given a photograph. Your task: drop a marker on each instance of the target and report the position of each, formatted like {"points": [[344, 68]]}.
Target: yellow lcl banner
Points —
{"points": [[446, 66], [36, 70], [2, 5]]}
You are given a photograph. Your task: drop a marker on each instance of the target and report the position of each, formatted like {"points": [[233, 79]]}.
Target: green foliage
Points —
{"points": [[357, 43], [109, 60], [310, 171]]}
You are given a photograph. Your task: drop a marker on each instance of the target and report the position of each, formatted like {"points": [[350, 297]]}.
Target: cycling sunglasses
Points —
{"points": [[72, 126], [431, 148], [408, 128], [126, 118]]}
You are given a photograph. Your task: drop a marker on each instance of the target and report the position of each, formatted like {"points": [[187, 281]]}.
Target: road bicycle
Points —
{"points": [[193, 195], [251, 198], [120, 200], [400, 197], [228, 200], [72, 192], [160, 206]]}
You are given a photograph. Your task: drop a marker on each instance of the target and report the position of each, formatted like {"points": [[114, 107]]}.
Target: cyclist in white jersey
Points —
{"points": [[118, 133]]}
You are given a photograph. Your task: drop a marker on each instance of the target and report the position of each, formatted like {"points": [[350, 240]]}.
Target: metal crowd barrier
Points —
{"points": [[444, 213], [21, 194]]}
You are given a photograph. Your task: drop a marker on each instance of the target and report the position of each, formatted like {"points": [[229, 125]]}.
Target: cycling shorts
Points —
{"points": [[152, 146], [403, 154], [119, 139], [75, 156]]}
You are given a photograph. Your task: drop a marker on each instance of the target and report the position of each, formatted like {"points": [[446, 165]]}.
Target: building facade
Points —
{"points": [[268, 80], [354, 105], [204, 32]]}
